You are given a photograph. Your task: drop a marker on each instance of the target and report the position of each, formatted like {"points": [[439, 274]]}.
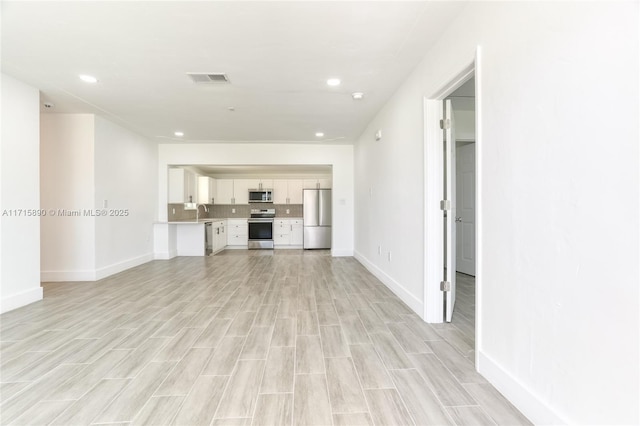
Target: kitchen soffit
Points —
{"points": [[263, 171], [278, 56]]}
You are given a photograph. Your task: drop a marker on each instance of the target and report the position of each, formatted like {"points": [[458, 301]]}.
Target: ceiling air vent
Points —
{"points": [[199, 77]]}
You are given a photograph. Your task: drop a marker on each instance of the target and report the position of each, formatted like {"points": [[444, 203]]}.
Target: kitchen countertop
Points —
{"points": [[201, 221]]}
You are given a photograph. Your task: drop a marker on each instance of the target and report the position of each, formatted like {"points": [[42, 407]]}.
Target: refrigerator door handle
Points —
{"points": [[320, 209]]}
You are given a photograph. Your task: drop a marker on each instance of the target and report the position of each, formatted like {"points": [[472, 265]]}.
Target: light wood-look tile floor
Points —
{"points": [[261, 337]]}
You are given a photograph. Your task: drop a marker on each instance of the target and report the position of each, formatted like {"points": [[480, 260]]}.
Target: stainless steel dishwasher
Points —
{"points": [[208, 238]]}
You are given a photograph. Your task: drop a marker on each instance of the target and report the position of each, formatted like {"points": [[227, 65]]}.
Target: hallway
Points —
{"points": [[244, 337]]}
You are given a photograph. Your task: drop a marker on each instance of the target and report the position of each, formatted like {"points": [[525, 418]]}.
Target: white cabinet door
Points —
{"points": [[224, 189], [191, 187], [325, 183], [241, 189], [206, 190], [280, 191], [296, 233], [213, 191], [222, 237], [295, 191], [237, 231], [177, 186], [265, 184], [183, 186], [310, 183], [281, 230], [203, 190]]}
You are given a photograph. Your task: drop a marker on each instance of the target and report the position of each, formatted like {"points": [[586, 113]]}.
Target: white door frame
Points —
{"points": [[433, 183]]}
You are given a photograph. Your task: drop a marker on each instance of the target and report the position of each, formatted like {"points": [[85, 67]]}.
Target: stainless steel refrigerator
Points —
{"points": [[316, 215]]}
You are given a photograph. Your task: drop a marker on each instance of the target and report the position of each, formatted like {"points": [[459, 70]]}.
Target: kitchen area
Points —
{"points": [[213, 208]]}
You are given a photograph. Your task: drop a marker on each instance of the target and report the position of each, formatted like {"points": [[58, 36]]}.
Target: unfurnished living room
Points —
{"points": [[320, 213]]}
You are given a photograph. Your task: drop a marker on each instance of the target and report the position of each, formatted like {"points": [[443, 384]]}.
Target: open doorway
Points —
{"points": [[463, 89], [464, 209]]}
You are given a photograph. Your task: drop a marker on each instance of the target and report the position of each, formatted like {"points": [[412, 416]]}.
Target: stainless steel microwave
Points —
{"points": [[261, 196]]}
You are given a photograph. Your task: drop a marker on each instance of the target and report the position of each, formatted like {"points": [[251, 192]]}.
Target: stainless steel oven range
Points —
{"points": [[261, 228]]}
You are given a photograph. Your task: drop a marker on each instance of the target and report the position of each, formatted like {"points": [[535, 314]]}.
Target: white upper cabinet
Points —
{"points": [[224, 189], [287, 191], [183, 186], [265, 184], [207, 191], [241, 189], [295, 191], [280, 191], [324, 183]]}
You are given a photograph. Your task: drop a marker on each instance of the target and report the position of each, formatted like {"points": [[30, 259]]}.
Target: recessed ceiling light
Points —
{"points": [[231, 108], [333, 82], [357, 95], [179, 134], [319, 134], [88, 78]]}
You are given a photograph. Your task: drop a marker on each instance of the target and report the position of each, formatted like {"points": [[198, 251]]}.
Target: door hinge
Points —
{"points": [[445, 286], [445, 205], [445, 124]]}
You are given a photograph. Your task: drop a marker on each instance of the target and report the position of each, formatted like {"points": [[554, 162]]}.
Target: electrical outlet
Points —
{"points": [[389, 256], [233, 210], [379, 249], [288, 211], [105, 204], [174, 210]]}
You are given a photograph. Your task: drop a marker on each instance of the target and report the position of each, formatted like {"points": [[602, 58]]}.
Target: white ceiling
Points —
{"points": [[278, 56]]}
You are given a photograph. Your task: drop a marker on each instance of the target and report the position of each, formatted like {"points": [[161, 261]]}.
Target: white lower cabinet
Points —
{"points": [[287, 233], [219, 235], [296, 232], [237, 233]]}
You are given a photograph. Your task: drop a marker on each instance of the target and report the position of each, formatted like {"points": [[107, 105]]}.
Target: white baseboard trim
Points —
{"points": [[413, 302], [21, 299], [529, 404], [191, 253], [96, 274], [341, 253], [112, 269], [77, 275], [165, 255]]}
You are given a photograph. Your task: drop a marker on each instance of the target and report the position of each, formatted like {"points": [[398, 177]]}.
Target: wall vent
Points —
{"points": [[215, 77]]}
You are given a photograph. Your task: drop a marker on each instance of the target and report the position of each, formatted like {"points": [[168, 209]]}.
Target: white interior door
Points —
{"points": [[449, 220], [466, 208]]}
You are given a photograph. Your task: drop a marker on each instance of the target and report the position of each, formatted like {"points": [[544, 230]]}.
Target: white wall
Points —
{"points": [[559, 180], [87, 159], [67, 181], [339, 156], [126, 176], [19, 189]]}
